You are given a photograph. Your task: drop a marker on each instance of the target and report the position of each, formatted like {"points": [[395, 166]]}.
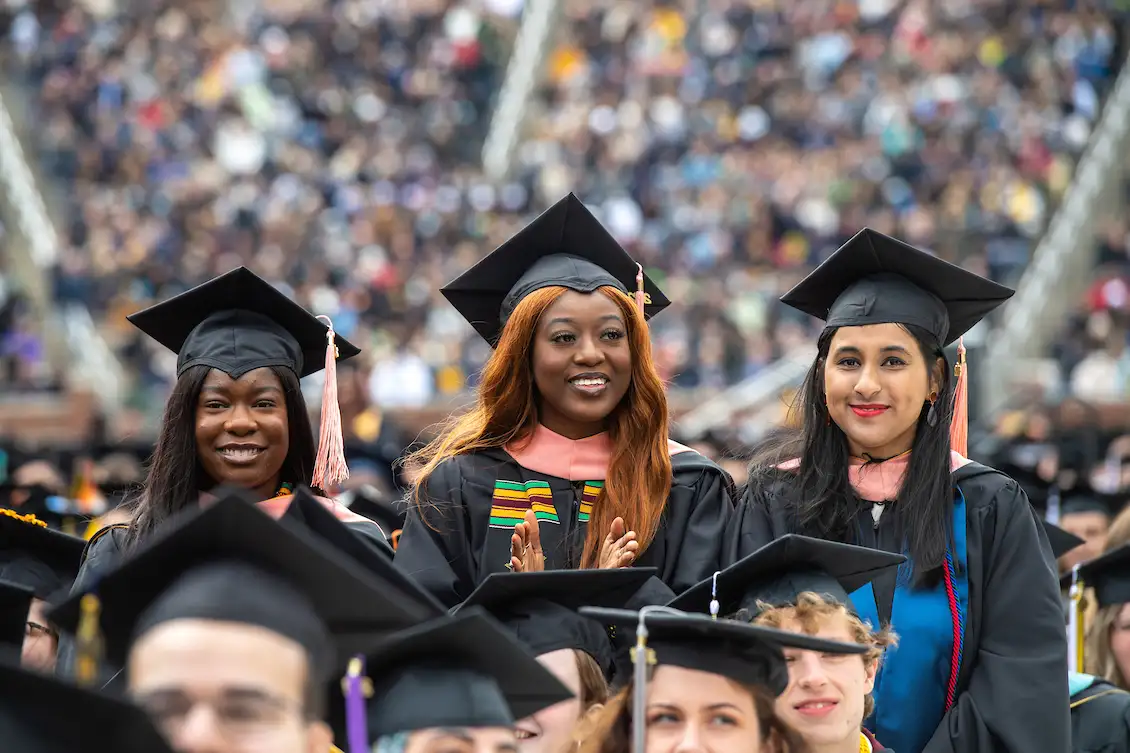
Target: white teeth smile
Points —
{"points": [[597, 382], [819, 705], [241, 454]]}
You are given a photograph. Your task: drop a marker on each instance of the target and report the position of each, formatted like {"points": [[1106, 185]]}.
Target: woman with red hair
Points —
{"points": [[564, 461]]}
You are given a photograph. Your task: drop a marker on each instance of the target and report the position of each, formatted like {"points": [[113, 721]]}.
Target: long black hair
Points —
{"points": [[176, 479], [825, 505]]}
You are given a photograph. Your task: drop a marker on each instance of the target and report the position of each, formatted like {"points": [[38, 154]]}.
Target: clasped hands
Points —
{"points": [[618, 549]]}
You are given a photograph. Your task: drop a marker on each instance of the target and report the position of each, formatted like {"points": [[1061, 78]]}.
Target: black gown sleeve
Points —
{"points": [[435, 548], [103, 553], [758, 520], [1016, 696]]}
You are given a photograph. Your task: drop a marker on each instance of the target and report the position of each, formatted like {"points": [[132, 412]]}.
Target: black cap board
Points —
{"points": [[15, 602], [238, 322], [541, 608], [464, 670], [1082, 498], [232, 562], [876, 279], [1109, 576], [33, 555], [1061, 541], [565, 246], [385, 513], [40, 714], [307, 511], [747, 654], [777, 572]]}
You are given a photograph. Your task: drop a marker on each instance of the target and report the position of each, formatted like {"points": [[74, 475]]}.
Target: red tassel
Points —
{"points": [[959, 429], [330, 468], [641, 296]]}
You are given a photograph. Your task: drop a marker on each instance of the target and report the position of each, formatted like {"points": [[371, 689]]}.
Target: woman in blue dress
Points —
{"points": [[980, 666]]}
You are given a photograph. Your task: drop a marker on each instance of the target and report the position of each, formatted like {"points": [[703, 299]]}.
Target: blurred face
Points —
{"points": [[551, 730], [462, 740], [222, 687], [876, 382], [1120, 640], [1089, 526], [40, 641], [825, 698], [695, 712], [242, 431], [582, 363]]}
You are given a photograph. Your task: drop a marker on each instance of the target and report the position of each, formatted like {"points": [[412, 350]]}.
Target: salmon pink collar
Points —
{"points": [[879, 481], [551, 454]]}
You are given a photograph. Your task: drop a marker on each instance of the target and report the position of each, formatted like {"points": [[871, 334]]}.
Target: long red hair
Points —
{"points": [[639, 472]]}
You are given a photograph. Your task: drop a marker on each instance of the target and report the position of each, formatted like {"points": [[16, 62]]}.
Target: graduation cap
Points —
{"points": [[305, 510], [876, 279], [15, 602], [745, 653], [782, 569], [383, 513], [40, 714], [1083, 498], [238, 322], [231, 562], [565, 246], [541, 607], [1109, 576], [33, 555], [1061, 541], [464, 670]]}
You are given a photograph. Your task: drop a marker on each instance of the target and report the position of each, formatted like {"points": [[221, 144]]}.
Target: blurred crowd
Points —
{"points": [[335, 148]]}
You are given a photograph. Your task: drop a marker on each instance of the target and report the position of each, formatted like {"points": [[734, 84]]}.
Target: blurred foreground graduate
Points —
{"points": [[801, 585], [231, 627], [1100, 709], [453, 683], [977, 607], [699, 683], [564, 462], [540, 609], [46, 562], [236, 415]]}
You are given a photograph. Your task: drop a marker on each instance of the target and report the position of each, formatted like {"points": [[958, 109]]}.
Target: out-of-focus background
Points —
{"points": [[360, 153]]}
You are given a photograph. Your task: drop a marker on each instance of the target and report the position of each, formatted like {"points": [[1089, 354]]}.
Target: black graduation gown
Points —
{"points": [[103, 554], [1100, 719], [1012, 691], [454, 547]]}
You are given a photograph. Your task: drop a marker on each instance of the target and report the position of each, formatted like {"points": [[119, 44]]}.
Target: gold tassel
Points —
{"points": [[88, 641], [959, 428]]}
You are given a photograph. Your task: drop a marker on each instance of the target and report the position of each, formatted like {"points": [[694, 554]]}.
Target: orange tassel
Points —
{"points": [[641, 296], [330, 468], [959, 429]]}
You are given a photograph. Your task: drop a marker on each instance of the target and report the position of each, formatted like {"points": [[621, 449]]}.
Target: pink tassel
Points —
{"points": [[641, 297], [330, 468], [959, 428]]}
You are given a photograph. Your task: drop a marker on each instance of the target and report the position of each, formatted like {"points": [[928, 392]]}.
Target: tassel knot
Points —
{"points": [[330, 468]]}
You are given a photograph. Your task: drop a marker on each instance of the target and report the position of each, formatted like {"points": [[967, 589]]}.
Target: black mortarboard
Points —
{"points": [[464, 670], [238, 322], [385, 513], [36, 556], [1109, 576], [745, 653], [876, 279], [1083, 498], [541, 608], [375, 557], [15, 602], [566, 246], [40, 714], [1061, 541], [232, 562], [777, 572]]}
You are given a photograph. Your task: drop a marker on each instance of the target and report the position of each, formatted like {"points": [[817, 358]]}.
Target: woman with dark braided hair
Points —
{"points": [[980, 666]]}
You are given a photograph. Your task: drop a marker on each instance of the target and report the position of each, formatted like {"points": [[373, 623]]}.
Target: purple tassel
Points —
{"points": [[357, 689]]}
